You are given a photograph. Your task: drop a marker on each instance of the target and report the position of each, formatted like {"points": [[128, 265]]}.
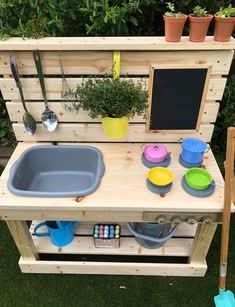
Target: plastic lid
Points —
{"points": [[194, 145], [155, 151]]}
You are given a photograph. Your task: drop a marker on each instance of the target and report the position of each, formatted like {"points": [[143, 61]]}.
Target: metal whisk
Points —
{"points": [[68, 97]]}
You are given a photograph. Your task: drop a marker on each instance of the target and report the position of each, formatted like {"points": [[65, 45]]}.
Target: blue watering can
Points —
{"points": [[61, 233]]}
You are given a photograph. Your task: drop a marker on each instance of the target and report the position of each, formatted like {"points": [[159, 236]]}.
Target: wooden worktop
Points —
{"points": [[123, 188]]}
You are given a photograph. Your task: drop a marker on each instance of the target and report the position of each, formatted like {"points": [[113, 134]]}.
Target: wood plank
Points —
{"points": [[123, 169], [16, 111], [101, 216], [101, 62], [81, 62], [112, 43], [112, 268], [86, 228], [128, 246], [202, 242], [23, 240], [139, 62], [94, 133], [32, 89]]}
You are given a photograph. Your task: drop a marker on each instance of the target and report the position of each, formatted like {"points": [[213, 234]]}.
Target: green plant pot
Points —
{"points": [[198, 178], [115, 127]]}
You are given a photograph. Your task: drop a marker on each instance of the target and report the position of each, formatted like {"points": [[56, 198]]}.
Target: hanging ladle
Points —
{"points": [[49, 118], [28, 120]]}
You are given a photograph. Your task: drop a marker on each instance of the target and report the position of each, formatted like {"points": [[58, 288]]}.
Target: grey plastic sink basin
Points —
{"points": [[57, 171]]}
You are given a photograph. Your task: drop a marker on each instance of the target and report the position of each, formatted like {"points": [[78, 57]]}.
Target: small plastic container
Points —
{"points": [[107, 235], [193, 150], [155, 153]]}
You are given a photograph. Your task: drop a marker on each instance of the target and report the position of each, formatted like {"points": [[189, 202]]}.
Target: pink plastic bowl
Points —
{"points": [[155, 153]]}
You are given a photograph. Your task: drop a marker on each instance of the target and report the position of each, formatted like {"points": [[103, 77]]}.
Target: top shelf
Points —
{"points": [[146, 43]]}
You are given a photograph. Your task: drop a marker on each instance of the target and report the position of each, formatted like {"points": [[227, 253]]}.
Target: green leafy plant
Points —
{"points": [[225, 119], [171, 11], [228, 11], [29, 18], [198, 11], [39, 18], [110, 18], [109, 97], [7, 137]]}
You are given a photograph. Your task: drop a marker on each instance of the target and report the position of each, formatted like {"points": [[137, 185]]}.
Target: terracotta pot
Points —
{"points": [[174, 28], [198, 27], [223, 28]]}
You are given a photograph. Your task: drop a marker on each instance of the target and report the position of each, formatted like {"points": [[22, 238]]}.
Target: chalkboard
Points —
{"points": [[177, 97]]}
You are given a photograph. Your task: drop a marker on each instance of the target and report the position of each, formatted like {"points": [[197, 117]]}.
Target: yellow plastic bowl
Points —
{"points": [[160, 176]]}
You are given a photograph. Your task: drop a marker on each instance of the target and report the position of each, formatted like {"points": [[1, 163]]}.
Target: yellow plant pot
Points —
{"points": [[115, 127]]}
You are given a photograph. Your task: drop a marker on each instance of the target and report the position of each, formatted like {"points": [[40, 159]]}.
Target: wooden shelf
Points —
{"points": [[112, 43], [128, 246], [83, 243], [86, 228]]}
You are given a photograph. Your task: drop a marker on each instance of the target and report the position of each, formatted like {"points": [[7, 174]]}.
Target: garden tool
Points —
{"points": [[226, 298]]}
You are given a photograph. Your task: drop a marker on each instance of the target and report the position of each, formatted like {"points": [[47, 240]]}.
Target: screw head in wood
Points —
{"points": [[161, 219], [191, 220], [176, 220]]}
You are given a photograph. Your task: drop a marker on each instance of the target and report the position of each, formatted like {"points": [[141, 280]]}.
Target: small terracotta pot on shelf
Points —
{"points": [[224, 28], [198, 27], [174, 27]]}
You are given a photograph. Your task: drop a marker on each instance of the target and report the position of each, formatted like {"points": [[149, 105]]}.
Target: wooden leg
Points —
{"points": [[201, 243], [23, 240]]}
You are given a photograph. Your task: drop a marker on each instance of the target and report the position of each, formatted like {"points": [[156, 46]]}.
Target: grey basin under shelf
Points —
{"points": [[57, 171]]}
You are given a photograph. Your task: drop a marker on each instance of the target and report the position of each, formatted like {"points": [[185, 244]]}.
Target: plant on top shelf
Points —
{"points": [[114, 100], [199, 23], [174, 23], [224, 23]]}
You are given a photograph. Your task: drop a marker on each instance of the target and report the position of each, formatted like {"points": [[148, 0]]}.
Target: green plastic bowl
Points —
{"points": [[198, 178]]}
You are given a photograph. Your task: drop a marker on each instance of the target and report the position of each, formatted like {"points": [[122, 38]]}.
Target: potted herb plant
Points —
{"points": [[174, 23], [199, 23], [224, 23], [114, 100]]}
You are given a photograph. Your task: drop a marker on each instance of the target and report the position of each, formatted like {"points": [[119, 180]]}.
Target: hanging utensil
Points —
{"points": [[28, 120], [49, 118], [67, 96]]}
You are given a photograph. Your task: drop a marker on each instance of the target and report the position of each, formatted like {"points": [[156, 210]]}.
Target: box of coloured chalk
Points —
{"points": [[107, 235]]}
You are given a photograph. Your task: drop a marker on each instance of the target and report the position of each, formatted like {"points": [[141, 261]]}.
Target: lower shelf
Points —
{"points": [[70, 259], [83, 243], [112, 268]]}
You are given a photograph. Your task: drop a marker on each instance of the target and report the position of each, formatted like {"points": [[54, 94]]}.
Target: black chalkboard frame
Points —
{"points": [[203, 99]]}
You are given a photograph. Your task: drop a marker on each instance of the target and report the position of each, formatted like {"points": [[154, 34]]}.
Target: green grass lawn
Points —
{"points": [[19, 289]]}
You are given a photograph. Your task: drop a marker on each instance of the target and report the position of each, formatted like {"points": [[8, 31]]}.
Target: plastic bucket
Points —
{"points": [[193, 150], [151, 235], [60, 233], [115, 127]]}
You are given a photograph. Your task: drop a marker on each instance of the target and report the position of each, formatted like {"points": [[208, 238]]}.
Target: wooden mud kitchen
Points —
{"points": [[185, 82]]}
